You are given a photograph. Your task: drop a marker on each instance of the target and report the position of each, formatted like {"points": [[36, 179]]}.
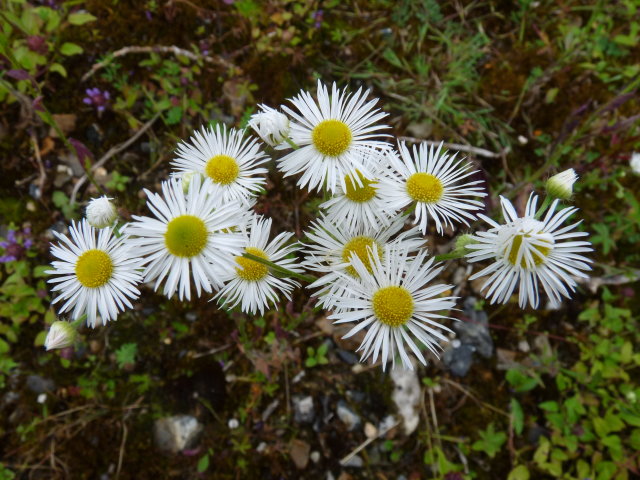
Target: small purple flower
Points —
{"points": [[148, 14], [15, 245], [318, 16], [97, 98]]}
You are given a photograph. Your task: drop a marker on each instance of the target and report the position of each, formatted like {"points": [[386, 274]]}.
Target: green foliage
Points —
{"points": [[126, 354], [490, 441], [317, 357]]}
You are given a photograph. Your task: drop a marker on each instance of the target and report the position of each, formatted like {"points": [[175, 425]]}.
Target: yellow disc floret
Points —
{"points": [[331, 137], [361, 247], [424, 187], [186, 236], [538, 252], [357, 193], [251, 270], [222, 169], [94, 268], [393, 306]]}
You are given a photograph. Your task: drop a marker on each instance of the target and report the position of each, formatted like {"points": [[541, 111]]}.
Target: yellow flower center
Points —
{"points": [[331, 137], [222, 169], [539, 253], [393, 306], [424, 187], [358, 245], [357, 193], [94, 268], [251, 270], [186, 236]]}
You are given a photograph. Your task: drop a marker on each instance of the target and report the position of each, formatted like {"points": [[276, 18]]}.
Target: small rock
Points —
{"points": [[42, 398], [348, 416], [315, 456], [406, 396], [524, 346], [458, 360], [354, 462], [370, 431], [66, 122], [506, 359], [38, 384], [299, 376], [347, 357], [179, 432], [233, 424], [299, 451], [475, 331], [387, 423], [262, 446], [303, 409]]}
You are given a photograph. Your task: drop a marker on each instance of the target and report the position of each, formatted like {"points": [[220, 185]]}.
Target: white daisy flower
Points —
{"points": [[191, 236], [252, 284], [393, 302], [334, 136], [94, 275], [271, 125], [228, 163], [335, 243], [431, 180], [530, 252], [362, 201]]}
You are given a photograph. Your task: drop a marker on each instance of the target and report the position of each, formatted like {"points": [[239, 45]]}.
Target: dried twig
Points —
{"points": [[42, 177], [112, 151], [481, 152], [217, 60], [364, 444]]}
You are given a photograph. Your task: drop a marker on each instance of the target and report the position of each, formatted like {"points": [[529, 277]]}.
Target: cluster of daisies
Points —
{"points": [[361, 257]]}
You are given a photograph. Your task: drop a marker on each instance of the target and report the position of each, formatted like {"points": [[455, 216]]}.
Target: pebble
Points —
{"points": [[347, 416], [299, 451], [179, 432], [354, 462], [475, 331], [370, 431], [233, 423], [303, 409], [406, 396], [315, 456], [38, 384], [458, 360]]}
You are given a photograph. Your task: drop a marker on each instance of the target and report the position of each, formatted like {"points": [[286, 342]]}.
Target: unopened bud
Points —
{"points": [[561, 185], [61, 335], [187, 177], [101, 212], [272, 126]]}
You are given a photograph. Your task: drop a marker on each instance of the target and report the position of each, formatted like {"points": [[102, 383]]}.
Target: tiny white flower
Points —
{"points": [[432, 181], [529, 252], [101, 212], [271, 125], [561, 185], [60, 335], [635, 162], [335, 137], [94, 275], [394, 302], [252, 284], [228, 163]]}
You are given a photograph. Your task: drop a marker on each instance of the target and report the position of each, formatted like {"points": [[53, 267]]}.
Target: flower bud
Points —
{"points": [[61, 335], [101, 212], [635, 163], [462, 241], [561, 185], [271, 125], [186, 180]]}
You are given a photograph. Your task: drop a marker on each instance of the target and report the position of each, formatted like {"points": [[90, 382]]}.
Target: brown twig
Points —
{"points": [[112, 151], [364, 444], [42, 177], [219, 61], [481, 152]]}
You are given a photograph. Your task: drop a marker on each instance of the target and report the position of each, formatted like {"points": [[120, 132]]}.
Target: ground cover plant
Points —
{"points": [[189, 367]]}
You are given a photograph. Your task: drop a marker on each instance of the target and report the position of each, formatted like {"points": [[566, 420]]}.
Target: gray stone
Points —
{"points": [[474, 330], [347, 357], [38, 384], [176, 433], [406, 396], [303, 409], [350, 418], [354, 462], [458, 360]]}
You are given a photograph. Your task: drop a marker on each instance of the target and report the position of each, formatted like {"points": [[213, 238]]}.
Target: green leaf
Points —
{"points": [[56, 67], [518, 417], [490, 441], [521, 472], [126, 354], [81, 18], [174, 115], [203, 463], [69, 49]]}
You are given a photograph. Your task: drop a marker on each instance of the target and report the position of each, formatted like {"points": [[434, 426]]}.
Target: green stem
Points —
{"points": [[449, 256], [543, 207], [279, 269], [290, 142]]}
